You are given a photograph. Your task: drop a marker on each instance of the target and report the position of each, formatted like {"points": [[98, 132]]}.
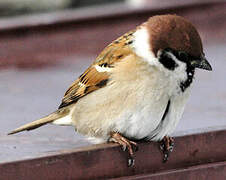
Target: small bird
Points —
{"points": [[137, 87]]}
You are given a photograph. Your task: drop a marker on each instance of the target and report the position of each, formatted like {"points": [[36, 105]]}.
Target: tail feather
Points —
{"points": [[40, 122]]}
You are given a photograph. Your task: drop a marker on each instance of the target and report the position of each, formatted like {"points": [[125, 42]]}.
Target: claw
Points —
{"points": [[131, 162], [166, 146], [126, 144], [123, 147], [161, 146], [165, 157]]}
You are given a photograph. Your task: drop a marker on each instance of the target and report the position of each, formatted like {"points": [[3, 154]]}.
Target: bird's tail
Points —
{"points": [[40, 122]]}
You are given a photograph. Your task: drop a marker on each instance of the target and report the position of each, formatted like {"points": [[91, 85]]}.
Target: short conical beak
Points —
{"points": [[201, 63]]}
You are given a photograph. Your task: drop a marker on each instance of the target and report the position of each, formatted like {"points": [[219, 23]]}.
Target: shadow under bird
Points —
{"points": [[136, 88]]}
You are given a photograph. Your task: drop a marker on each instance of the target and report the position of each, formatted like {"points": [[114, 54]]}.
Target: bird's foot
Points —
{"points": [[126, 144], [166, 146]]}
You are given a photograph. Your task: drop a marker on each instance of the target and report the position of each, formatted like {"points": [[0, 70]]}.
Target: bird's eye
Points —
{"points": [[183, 56]]}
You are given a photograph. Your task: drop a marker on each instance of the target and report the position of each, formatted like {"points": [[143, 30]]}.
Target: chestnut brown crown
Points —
{"points": [[175, 32]]}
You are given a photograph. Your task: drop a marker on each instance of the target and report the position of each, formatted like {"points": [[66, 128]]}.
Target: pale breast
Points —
{"points": [[132, 103], [148, 89], [174, 114]]}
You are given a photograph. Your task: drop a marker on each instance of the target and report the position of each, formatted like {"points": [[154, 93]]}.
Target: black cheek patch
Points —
{"points": [[167, 61], [190, 74]]}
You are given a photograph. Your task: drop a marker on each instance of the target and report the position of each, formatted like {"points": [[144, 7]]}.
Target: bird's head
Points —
{"points": [[173, 41]]}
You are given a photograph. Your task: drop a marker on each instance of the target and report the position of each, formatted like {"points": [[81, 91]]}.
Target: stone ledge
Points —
{"points": [[109, 161]]}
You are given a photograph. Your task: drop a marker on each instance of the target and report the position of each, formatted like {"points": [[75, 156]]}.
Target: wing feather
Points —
{"points": [[97, 75]]}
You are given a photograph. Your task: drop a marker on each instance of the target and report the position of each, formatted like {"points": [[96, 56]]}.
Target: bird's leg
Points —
{"points": [[166, 145], [126, 144]]}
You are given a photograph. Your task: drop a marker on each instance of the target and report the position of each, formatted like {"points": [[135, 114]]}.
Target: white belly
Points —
{"points": [[139, 121], [145, 121], [133, 103], [169, 123]]}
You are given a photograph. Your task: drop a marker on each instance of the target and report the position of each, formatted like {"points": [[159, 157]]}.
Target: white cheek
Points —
{"points": [[141, 46], [179, 73]]}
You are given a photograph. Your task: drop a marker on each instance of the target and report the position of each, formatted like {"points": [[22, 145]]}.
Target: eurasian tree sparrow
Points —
{"points": [[136, 88]]}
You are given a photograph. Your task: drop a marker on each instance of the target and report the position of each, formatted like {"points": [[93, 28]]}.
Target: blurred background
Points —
{"points": [[20, 7], [46, 44]]}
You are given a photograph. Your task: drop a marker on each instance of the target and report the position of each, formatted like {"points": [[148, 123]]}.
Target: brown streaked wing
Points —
{"points": [[91, 79]]}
